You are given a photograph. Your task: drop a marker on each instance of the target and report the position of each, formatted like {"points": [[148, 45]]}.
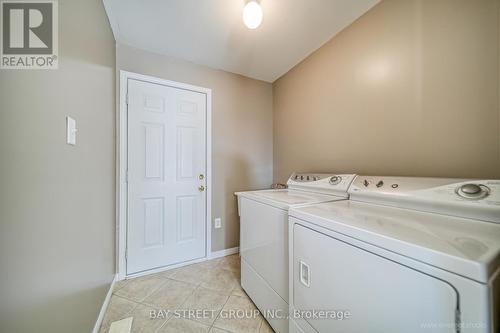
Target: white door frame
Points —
{"points": [[122, 162]]}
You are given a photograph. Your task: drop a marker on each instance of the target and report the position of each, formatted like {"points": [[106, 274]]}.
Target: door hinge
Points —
{"points": [[126, 176], [126, 98]]}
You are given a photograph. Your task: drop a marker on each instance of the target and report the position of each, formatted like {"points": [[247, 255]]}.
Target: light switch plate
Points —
{"points": [[218, 223], [70, 131]]}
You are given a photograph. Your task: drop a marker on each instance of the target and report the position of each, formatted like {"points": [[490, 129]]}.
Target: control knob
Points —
{"points": [[473, 191], [334, 180]]}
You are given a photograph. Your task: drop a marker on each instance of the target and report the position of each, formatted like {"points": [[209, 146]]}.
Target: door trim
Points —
{"points": [[121, 164]]}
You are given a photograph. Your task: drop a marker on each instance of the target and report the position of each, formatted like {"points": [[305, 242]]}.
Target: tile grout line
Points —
{"points": [[220, 264], [227, 300], [213, 324], [148, 294], [213, 291], [197, 286], [137, 303], [125, 314], [155, 305], [177, 308]]}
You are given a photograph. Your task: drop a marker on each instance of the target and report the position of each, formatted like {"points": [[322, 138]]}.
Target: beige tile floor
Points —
{"points": [[211, 285]]}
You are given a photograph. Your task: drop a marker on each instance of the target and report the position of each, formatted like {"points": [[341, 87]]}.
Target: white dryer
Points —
{"points": [[402, 255], [264, 237]]}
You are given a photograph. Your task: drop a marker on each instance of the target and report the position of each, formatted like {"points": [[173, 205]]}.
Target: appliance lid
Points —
{"points": [[466, 247], [286, 198]]}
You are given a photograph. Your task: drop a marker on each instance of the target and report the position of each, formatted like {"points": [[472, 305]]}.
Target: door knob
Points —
{"points": [[201, 188], [201, 177]]}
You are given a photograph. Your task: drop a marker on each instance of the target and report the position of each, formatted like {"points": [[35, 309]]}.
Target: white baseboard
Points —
{"points": [[104, 306], [163, 269], [212, 255], [223, 253]]}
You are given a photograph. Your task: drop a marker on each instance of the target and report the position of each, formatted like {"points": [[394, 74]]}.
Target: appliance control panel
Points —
{"points": [[321, 182], [307, 177], [469, 198]]}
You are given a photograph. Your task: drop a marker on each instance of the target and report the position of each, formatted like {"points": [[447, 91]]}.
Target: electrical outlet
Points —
{"points": [[218, 223]]}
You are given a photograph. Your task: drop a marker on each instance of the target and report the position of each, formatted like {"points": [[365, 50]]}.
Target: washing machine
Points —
{"points": [[401, 255], [264, 237]]}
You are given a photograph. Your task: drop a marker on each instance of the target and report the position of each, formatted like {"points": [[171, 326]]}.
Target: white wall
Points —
{"points": [[242, 126], [57, 202], [410, 88]]}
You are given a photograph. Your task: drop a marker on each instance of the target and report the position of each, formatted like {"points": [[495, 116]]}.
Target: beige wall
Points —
{"points": [[57, 201], [410, 88], [242, 157]]}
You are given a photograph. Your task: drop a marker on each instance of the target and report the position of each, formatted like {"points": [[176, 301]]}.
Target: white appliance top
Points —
{"points": [[286, 198], [463, 245], [304, 189], [475, 199]]}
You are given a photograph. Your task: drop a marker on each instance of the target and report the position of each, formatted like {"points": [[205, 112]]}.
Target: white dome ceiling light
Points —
{"points": [[252, 14]]}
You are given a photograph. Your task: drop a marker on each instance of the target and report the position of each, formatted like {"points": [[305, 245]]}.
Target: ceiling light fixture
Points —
{"points": [[252, 14]]}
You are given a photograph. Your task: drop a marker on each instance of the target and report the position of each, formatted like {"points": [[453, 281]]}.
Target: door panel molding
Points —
{"points": [[186, 205], [155, 104]]}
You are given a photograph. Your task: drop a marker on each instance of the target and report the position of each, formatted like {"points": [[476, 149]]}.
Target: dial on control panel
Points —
{"points": [[473, 191], [334, 180]]}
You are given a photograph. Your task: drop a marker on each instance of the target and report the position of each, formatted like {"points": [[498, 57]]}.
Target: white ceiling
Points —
{"points": [[212, 33]]}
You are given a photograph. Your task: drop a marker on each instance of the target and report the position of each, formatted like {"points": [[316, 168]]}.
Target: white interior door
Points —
{"points": [[166, 176]]}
